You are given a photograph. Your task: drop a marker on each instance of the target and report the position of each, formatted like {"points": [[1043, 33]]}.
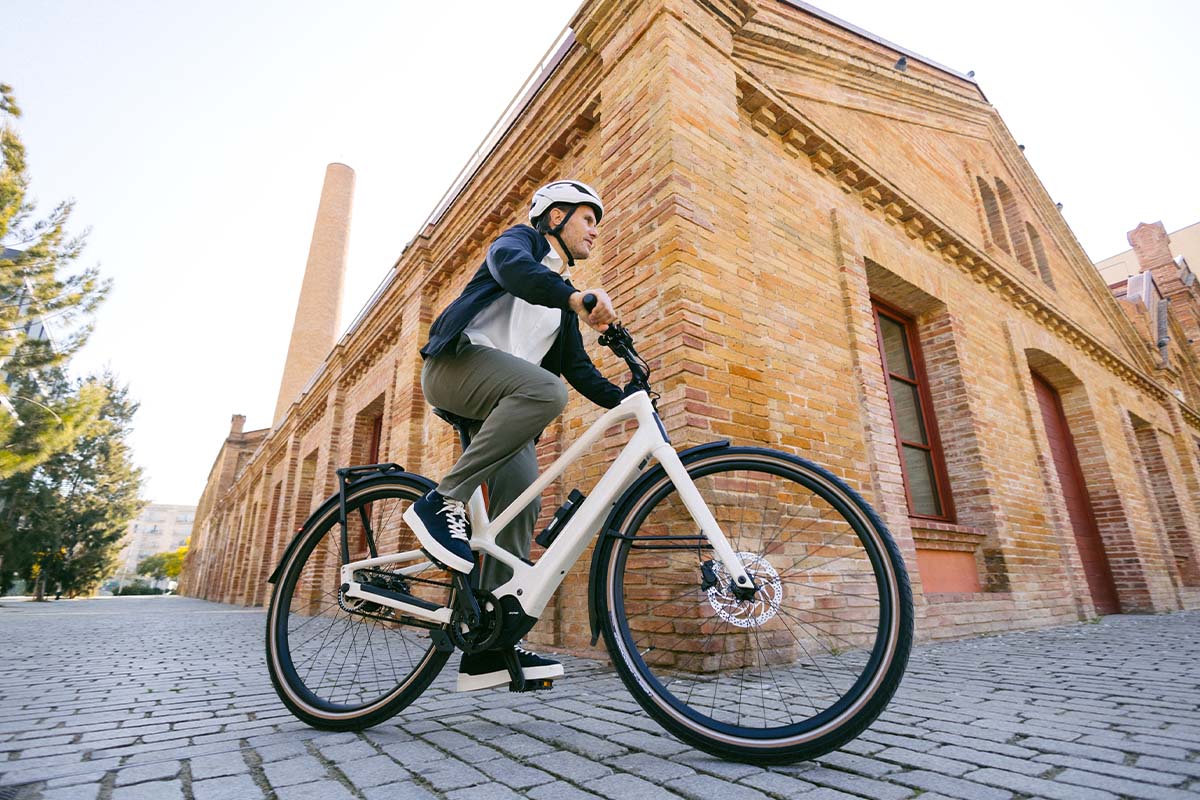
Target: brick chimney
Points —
{"points": [[318, 314], [1152, 247], [236, 425]]}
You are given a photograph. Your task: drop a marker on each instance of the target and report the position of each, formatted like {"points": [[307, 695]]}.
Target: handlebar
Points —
{"points": [[617, 339]]}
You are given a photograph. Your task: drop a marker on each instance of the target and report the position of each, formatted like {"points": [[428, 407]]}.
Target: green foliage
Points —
{"points": [[62, 522], [38, 283], [163, 565], [138, 588]]}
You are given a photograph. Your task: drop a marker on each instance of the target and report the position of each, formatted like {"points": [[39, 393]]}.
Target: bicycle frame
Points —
{"points": [[533, 584]]}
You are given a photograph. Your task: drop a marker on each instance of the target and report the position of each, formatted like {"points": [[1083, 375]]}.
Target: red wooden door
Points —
{"points": [[1079, 506]]}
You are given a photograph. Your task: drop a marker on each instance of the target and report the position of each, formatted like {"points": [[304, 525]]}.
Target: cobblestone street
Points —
{"points": [[164, 698]]}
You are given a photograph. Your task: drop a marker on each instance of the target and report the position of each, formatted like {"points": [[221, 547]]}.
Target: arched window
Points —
{"points": [[1016, 228], [991, 209], [1039, 253]]}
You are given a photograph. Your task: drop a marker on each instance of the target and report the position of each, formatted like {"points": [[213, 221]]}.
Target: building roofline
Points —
{"points": [[866, 34]]}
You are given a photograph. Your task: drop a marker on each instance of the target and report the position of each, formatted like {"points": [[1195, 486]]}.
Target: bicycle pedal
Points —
{"points": [[533, 685]]}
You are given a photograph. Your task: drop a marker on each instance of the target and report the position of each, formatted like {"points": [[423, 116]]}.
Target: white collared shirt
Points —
{"points": [[516, 327]]}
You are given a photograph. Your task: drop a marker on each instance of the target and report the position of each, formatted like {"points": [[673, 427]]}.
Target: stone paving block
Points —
{"points": [[348, 751], [778, 784], [856, 784], [318, 790], [412, 755], [568, 765], [984, 758], [705, 787], [661, 744], [583, 743], [717, 767], [76, 778], [405, 790], [218, 765], [849, 762], [1121, 786], [1127, 745], [560, 790], [1140, 774], [450, 774], [230, 787], [484, 791], [156, 790], [965, 730], [629, 787], [1087, 751], [926, 761], [148, 772], [374, 771], [281, 751], [303, 769], [520, 746], [650, 767], [513, 774], [952, 787], [911, 742], [88, 792], [1169, 765]]}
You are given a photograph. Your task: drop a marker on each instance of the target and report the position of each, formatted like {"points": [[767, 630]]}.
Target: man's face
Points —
{"points": [[580, 231]]}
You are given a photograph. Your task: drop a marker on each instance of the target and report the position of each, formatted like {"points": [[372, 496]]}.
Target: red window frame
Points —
{"points": [[940, 477]]}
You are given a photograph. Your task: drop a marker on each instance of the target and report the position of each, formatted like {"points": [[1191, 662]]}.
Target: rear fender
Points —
{"points": [[332, 502]]}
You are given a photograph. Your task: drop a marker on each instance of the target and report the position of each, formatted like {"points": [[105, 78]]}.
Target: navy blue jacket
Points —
{"points": [[514, 265]]}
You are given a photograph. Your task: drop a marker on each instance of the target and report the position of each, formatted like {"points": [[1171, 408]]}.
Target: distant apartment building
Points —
{"points": [[158, 529]]}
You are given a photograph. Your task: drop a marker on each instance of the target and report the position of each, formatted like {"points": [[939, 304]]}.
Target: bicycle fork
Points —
{"points": [[741, 582]]}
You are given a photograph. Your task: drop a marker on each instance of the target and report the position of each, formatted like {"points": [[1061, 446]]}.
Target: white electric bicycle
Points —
{"points": [[752, 602]]}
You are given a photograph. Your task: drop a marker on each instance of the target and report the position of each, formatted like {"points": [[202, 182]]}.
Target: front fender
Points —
{"points": [[605, 542]]}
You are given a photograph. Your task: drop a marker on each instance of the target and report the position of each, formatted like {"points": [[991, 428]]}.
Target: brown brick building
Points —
{"points": [[825, 244]]}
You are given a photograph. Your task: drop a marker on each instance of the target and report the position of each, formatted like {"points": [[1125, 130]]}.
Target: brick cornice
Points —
{"points": [[791, 38], [770, 115], [369, 355]]}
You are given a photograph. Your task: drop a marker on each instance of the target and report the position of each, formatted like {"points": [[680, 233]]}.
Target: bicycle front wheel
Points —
{"points": [[339, 663], [793, 670]]}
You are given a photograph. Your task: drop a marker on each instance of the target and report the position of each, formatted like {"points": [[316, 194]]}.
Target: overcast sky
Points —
{"points": [[194, 139]]}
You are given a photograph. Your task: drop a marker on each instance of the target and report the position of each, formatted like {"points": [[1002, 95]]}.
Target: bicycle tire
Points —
{"points": [[707, 665], [338, 670]]}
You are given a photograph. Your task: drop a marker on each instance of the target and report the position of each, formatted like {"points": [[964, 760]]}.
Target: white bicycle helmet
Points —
{"points": [[572, 192]]}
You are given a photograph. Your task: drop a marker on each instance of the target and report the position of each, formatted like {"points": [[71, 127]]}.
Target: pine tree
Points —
{"points": [[61, 523], [38, 285]]}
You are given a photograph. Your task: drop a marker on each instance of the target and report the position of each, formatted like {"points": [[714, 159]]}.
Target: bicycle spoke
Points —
{"points": [[342, 662]]}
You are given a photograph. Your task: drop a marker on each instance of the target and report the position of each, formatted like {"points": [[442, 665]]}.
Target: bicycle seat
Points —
{"points": [[460, 424]]}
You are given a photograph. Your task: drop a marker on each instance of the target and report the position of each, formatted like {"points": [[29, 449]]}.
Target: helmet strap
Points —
{"points": [[556, 232]]}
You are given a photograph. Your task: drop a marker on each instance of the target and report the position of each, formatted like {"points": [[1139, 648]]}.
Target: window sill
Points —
{"points": [[933, 535]]}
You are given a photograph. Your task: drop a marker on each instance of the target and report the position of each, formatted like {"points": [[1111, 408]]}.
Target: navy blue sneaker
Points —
{"points": [[442, 528], [487, 669]]}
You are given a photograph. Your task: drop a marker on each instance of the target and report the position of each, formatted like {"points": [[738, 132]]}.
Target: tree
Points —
{"points": [[38, 284], [163, 565], [62, 522]]}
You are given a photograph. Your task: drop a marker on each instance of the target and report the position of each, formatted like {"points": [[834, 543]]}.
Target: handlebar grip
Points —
{"points": [[589, 302]]}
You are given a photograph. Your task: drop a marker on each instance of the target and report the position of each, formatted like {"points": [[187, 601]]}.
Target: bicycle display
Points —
{"points": [[753, 604]]}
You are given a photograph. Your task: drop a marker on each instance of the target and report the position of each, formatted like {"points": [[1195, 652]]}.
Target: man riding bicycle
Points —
{"points": [[494, 355]]}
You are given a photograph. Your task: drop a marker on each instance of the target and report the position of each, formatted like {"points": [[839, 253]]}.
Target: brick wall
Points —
{"points": [[768, 175]]}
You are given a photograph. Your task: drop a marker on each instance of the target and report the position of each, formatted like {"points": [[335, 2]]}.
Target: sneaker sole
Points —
{"points": [[469, 683], [431, 546]]}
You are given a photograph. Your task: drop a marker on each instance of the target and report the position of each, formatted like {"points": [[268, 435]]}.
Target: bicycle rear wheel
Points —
{"points": [[338, 663], [797, 669]]}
